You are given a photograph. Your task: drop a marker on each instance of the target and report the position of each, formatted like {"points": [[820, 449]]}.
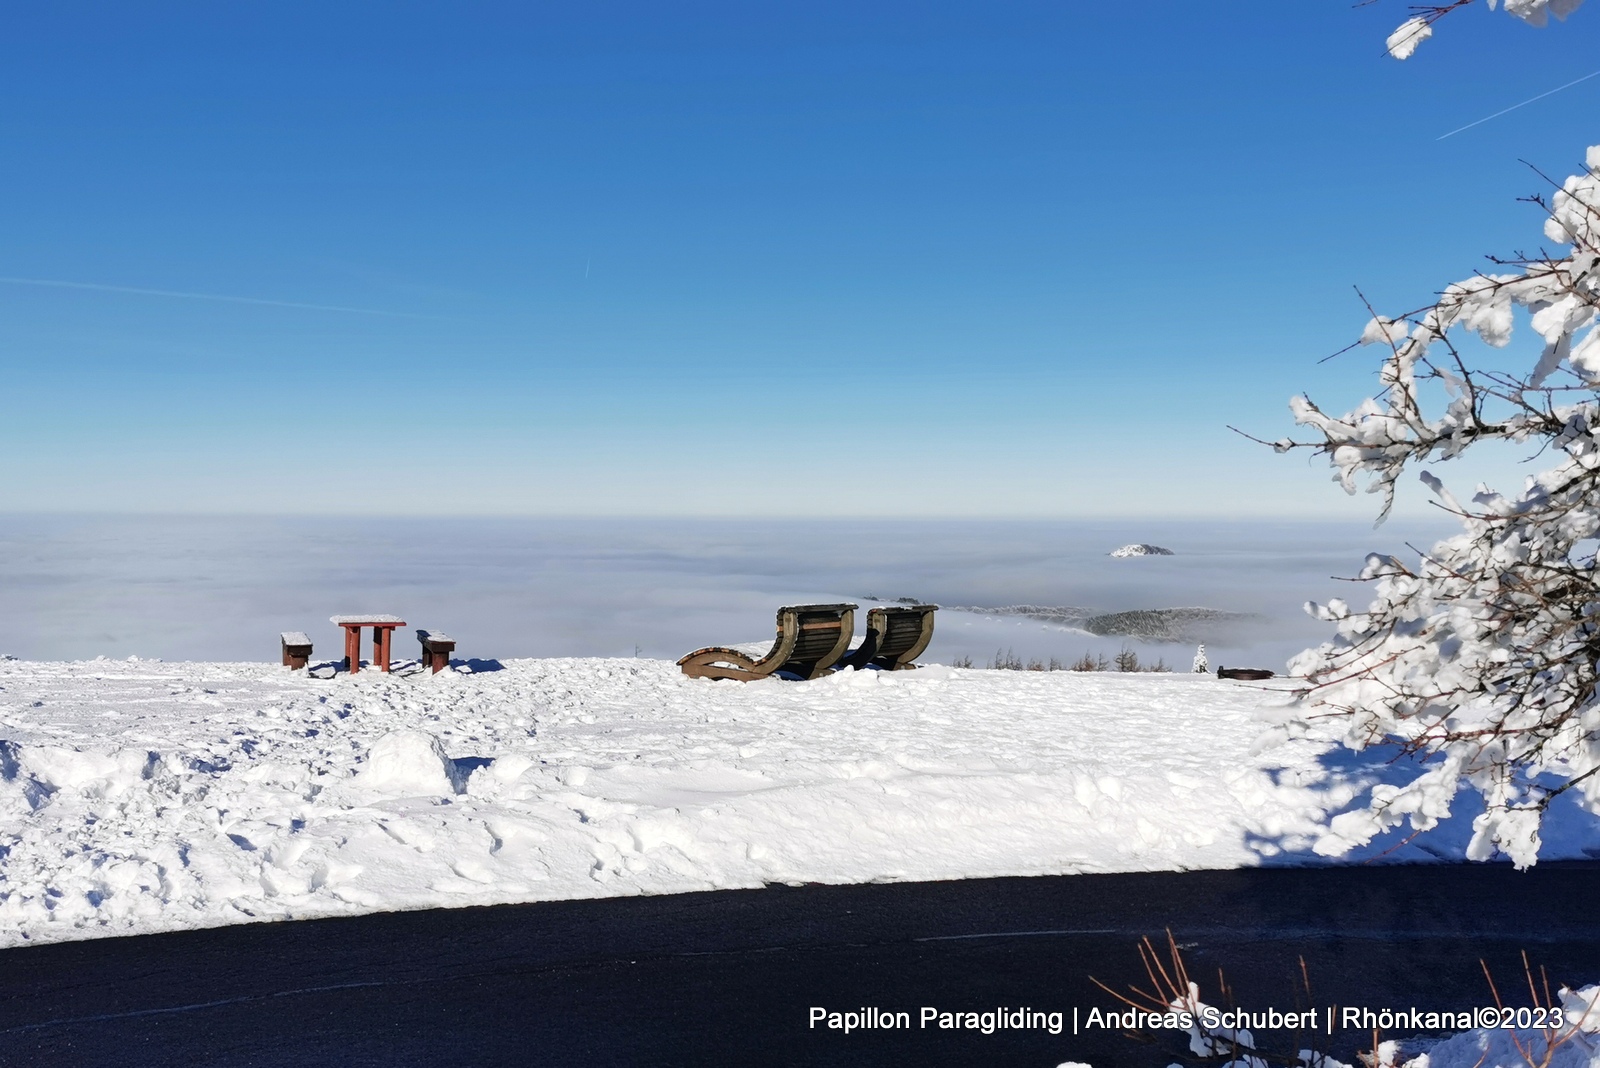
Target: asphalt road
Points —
{"points": [[731, 978]]}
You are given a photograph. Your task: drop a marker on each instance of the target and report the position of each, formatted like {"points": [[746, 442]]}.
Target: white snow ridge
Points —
{"points": [[142, 796], [1141, 549]]}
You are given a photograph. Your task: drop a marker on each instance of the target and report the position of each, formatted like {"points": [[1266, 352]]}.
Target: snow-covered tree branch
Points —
{"points": [[1483, 658], [1412, 32]]}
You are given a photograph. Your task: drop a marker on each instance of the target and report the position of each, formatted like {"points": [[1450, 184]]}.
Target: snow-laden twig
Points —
{"points": [[1419, 27], [1484, 658]]}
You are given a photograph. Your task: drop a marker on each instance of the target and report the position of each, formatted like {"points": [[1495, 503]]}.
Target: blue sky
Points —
{"points": [[726, 258]]}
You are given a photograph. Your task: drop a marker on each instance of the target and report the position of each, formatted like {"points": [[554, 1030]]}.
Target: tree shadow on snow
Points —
{"points": [[1340, 772]]}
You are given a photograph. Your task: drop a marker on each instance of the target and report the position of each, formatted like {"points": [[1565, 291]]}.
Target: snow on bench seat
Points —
{"points": [[296, 648], [436, 649]]}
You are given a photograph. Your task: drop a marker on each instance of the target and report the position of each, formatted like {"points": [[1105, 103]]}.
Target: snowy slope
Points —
{"points": [[141, 796]]}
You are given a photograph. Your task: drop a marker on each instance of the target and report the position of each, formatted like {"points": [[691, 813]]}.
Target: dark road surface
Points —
{"points": [[729, 978]]}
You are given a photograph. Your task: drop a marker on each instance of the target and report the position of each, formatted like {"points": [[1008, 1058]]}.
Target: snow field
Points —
{"points": [[141, 796]]}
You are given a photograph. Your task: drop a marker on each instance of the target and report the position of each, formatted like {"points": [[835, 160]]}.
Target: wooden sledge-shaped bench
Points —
{"points": [[896, 635], [811, 638]]}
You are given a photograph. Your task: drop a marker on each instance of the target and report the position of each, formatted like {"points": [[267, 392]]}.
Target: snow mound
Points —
{"points": [[97, 775], [1141, 549], [409, 764]]}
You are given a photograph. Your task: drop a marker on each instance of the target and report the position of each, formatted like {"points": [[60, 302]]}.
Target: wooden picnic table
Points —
{"points": [[383, 628]]}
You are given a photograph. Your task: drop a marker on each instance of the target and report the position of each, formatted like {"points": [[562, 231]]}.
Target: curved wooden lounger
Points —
{"points": [[811, 638], [896, 635]]}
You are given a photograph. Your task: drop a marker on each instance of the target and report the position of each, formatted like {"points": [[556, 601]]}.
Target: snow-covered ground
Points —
{"points": [[140, 796]]}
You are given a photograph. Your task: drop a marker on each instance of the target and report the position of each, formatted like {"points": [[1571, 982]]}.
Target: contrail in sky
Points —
{"points": [[1513, 107], [53, 283]]}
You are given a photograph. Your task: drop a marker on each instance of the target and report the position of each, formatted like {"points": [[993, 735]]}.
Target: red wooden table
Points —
{"points": [[382, 636]]}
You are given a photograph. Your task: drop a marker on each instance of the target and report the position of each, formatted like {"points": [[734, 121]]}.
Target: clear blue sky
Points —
{"points": [[730, 258]]}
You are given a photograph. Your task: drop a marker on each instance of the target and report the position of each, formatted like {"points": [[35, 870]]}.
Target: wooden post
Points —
{"points": [[352, 648]]}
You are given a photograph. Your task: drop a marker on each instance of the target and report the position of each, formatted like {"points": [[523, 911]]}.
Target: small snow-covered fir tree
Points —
{"points": [[1483, 657], [1201, 666]]}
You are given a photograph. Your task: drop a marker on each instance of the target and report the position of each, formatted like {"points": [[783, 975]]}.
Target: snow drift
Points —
{"points": [[142, 796]]}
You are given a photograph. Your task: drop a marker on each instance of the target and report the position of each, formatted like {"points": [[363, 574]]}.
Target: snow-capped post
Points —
{"points": [[1201, 666], [1480, 659]]}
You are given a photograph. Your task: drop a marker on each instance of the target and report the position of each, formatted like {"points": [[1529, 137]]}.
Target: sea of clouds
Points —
{"points": [[222, 588]]}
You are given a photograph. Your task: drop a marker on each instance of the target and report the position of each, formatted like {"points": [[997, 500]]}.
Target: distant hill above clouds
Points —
{"points": [[1144, 624], [1064, 614], [1141, 549], [1165, 624]]}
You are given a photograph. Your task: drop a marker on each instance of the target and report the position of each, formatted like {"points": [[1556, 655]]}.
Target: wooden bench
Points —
{"points": [[296, 649], [436, 649], [896, 636], [811, 638]]}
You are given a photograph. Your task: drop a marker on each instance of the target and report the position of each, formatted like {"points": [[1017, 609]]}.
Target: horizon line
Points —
{"points": [[715, 517]]}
